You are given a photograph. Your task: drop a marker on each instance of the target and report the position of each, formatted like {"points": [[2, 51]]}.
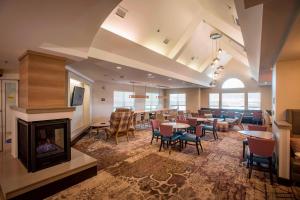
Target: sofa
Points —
{"points": [[250, 116]]}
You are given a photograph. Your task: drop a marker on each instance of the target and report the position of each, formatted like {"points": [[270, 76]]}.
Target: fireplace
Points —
{"points": [[42, 144]]}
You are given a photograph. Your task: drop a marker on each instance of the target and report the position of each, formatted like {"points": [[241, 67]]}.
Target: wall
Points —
{"points": [[286, 93], [103, 109], [82, 115], [193, 97], [235, 69]]}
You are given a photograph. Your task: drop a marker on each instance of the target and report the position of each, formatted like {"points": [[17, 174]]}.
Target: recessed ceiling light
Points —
{"points": [[169, 79], [149, 74], [119, 67]]}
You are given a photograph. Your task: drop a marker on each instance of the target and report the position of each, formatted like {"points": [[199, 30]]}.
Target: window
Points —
{"points": [[213, 100], [233, 100], [254, 100], [152, 102], [121, 99], [233, 83], [178, 101]]}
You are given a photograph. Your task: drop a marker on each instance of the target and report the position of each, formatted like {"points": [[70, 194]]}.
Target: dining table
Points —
{"points": [[177, 125], [203, 119], [258, 134]]}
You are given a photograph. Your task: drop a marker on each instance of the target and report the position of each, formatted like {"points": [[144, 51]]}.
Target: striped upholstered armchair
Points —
{"points": [[119, 125]]}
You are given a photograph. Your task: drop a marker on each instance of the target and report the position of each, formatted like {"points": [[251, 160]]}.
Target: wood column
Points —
{"points": [[43, 81]]}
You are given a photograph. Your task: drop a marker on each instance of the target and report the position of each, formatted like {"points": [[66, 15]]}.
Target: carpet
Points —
{"points": [[136, 170]]}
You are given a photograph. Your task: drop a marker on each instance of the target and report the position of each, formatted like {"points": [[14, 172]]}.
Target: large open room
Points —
{"points": [[149, 99]]}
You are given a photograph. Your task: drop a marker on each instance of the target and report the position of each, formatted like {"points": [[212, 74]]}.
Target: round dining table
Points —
{"points": [[176, 125]]}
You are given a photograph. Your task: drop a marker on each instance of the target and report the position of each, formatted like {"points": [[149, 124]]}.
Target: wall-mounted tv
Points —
{"points": [[77, 96]]}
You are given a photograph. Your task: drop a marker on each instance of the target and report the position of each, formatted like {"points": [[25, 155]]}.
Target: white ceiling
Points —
{"points": [[72, 29], [99, 70]]}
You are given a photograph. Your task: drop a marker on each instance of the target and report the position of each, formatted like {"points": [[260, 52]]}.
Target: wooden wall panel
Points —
{"points": [[43, 78]]}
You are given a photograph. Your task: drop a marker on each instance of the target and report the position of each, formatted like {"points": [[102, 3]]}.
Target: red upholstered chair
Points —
{"points": [[193, 123], [193, 139], [155, 129], [260, 150], [167, 135], [252, 128]]}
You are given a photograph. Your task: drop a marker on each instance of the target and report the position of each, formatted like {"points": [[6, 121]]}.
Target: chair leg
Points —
{"points": [[197, 148], [201, 145], [152, 139], [244, 146], [271, 170], [116, 138], [161, 144], [185, 143], [127, 136], [251, 165]]}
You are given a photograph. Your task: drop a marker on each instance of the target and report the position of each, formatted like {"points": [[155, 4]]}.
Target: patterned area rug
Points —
{"points": [[136, 170]]}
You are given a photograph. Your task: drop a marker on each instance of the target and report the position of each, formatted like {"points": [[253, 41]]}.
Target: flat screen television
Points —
{"points": [[77, 96]]}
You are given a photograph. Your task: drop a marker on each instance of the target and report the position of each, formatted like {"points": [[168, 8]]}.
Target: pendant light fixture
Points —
{"points": [[138, 96]]}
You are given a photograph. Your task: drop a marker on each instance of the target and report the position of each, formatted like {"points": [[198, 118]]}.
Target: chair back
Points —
{"points": [[257, 128], [160, 117], [146, 116], [114, 121], [192, 121], [180, 112], [182, 121], [131, 123], [199, 131], [138, 117], [195, 114], [155, 124], [124, 121], [261, 147], [180, 117], [166, 130]]}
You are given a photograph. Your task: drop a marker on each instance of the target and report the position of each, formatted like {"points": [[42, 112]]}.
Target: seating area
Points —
{"points": [[151, 99]]}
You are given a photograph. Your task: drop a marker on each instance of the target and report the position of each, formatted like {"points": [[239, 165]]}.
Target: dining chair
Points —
{"points": [[146, 119], [138, 119], [212, 128], [167, 135], [193, 123], [194, 138], [180, 117], [155, 129], [252, 128], [261, 151]]}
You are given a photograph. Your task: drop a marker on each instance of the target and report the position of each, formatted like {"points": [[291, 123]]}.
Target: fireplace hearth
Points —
{"points": [[42, 144]]}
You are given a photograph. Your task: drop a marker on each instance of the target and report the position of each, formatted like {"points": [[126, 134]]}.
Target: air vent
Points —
{"points": [[166, 41], [121, 12]]}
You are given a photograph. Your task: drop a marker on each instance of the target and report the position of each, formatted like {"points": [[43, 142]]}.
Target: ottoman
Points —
{"points": [[223, 126]]}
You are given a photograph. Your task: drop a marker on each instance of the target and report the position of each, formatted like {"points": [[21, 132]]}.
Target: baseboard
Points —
{"points": [[57, 186], [80, 135]]}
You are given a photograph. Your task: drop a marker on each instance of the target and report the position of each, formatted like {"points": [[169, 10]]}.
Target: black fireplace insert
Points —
{"points": [[43, 144]]}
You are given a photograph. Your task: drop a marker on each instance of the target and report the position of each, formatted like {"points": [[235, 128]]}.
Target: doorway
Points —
{"points": [[9, 97]]}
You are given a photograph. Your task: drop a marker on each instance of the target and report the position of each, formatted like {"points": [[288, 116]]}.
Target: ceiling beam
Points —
{"points": [[184, 39]]}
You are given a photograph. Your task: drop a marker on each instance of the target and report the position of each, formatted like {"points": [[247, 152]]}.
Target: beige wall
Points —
{"points": [[82, 115], [286, 88], [102, 109], [192, 97], [235, 69]]}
